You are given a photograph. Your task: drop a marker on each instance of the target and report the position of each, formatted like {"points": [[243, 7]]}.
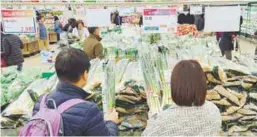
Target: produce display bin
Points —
{"points": [[52, 37], [30, 47]]}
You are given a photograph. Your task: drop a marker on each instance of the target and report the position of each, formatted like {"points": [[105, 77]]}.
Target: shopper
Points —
{"points": [[141, 21], [11, 54], [92, 45], [116, 18], [227, 44], [191, 115], [83, 119], [43, 36], [57, 27], [70, 25], [199, 22], [80, 31]]}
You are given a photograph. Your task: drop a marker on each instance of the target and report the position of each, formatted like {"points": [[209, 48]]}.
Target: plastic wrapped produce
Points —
{"points": [[24, 104], [120, 69]]}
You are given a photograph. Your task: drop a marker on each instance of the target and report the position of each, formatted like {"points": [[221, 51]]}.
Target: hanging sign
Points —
{"points": [[222, 19], [196, 10], [160, 20], [18, 21], [98, 17]]}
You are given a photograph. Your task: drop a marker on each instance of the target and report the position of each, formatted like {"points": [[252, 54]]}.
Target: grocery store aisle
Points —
{"points": [[35, 62]]}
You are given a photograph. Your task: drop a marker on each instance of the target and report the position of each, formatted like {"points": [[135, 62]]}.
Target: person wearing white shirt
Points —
{"points": [[80, 31]]}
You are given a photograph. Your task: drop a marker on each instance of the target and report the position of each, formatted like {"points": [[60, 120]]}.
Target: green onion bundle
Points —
{"points": [[152, 82], [108, 90]]}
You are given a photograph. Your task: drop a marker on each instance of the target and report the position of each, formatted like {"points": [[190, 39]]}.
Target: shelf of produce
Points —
{"points": [[52, 37], [30, 47]]}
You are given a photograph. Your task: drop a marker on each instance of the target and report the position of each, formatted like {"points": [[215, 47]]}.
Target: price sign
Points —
{"points": [[18, 21], [160, 20], [196, 10], [98, 17]]}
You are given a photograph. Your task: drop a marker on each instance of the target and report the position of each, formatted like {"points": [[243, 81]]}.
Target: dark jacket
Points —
{"points": [[199, 22], [84, 119], [93, 47], [226, 41], [11, 47], [186, 19]]}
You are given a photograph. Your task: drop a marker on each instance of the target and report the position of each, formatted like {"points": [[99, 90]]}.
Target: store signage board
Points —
{"points": [[196, 10], [18, 21], [222, 19], [160, 20], [98, 17], [126, 11]]}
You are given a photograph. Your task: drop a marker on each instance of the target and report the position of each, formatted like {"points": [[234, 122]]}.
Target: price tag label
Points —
{"points": [[18, 21], [154, 20]]}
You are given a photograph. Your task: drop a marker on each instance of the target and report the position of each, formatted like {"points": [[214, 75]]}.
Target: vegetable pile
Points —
{"points": [[235, 95], [186, 29]]}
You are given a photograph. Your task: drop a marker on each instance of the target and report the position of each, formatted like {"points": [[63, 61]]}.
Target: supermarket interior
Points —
{"points": [[128, 67]]}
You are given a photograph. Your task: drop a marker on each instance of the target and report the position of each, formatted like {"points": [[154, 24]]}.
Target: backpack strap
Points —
{"points": [[67, 104], [43, 101]]}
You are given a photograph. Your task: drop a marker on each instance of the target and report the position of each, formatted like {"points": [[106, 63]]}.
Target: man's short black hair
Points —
{"points": [[70, 64], [91, 30]]}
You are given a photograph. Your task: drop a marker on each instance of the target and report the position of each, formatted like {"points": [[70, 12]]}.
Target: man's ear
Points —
{"points": [[85, 75]]}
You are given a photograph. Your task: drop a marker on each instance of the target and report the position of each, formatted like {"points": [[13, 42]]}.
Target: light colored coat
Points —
{"points": [[186, 121]]}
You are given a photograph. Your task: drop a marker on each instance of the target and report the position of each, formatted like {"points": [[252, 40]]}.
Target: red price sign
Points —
{"points": [[27, 29]]}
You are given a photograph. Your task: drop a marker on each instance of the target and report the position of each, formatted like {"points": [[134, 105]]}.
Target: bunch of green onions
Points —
{"points": [[108, 90], [152, 82]]}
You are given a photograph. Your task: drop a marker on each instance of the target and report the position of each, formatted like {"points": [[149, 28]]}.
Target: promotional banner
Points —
{"points": [[196, 10], [160, 20], [98, 17], [18, 21], [222, 19]]}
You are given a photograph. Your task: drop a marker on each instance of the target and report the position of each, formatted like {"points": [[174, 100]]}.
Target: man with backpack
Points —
{"points": [[65, 112]]}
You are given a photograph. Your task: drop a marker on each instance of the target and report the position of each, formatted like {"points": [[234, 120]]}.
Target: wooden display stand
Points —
{"points": [[52, 37], [30, 47]]}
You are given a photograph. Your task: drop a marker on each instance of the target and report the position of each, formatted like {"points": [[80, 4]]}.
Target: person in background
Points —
{"points": [[191, 115], [199, 22], [70, 25], [83, 119], [66, 26], [186, 18], [80, 31], [11, 50], [226, 44], [116, 18], [141, 21], [228, 40], [92, 45], [57, 27], [43, 35]]}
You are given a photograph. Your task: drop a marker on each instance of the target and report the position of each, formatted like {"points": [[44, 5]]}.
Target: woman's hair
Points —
{"points": [[188, 84], [91, 30], [80, 22], [56, 18], [73, 22], [39, 18]]}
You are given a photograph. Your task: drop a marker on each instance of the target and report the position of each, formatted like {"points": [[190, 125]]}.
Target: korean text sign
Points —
{"points": [[160, 20], [18, 21]]}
